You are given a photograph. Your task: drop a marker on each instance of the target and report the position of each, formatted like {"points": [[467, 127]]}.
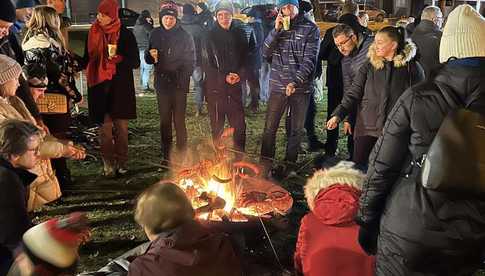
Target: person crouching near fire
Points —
{"points": [[327, 240], [179, 245]]}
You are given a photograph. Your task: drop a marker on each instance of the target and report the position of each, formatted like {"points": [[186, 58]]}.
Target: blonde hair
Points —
{"points": [[46, 21], [163, 206]]}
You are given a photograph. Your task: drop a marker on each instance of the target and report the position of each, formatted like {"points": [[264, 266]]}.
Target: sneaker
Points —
{"points": [[122, 171], [108, 169]]}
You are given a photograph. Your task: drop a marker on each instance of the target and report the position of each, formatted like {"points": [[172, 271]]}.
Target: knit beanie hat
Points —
{"points": [[20, 4], [188, 9], [168, 8], [109, 8], [224, 5], [36, 75], [7, 11], [9, 69], [463, 34], [57, 241], [282, 3]]}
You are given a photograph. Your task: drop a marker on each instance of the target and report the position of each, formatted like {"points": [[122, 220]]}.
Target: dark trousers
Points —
{"points": [[363, 146], [296, 107], [334, 97], [171, 108], [222, 105], [310, 120]]}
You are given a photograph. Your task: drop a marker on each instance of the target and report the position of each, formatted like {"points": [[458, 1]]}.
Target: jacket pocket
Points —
{"points": [[368, 114]]}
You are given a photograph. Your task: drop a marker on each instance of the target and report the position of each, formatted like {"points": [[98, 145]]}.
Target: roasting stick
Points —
{"points": [[271, 244]]}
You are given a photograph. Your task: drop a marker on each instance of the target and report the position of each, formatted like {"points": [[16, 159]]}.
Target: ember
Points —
{"points": [[221, 190]]}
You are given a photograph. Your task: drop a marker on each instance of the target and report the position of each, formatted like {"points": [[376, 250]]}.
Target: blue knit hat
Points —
{"points": [[20, 4], [282, 3]]}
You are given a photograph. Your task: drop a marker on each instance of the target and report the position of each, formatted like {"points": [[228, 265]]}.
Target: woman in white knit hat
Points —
{"points": [[46, 187], [411, 229]]}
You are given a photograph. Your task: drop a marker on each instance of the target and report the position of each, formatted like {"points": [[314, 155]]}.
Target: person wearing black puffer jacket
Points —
{"points": [[142, 30], [172, 51], [413, 230], [377, 85]]}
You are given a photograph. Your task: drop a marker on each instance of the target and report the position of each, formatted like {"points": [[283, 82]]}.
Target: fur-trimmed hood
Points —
{"points": [[333, 194], [400, 60]]}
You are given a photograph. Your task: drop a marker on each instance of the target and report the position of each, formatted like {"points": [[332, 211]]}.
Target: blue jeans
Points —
{"points": [[197, 77], [145, 71], [264, 82]]}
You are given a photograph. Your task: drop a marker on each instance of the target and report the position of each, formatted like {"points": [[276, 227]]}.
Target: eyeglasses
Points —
{"points": [[340, 45]]}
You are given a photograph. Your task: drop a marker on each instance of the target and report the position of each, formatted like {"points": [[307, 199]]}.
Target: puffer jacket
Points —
{"points": [[327, 240], [427, 37], [293, 55], [423, 230], [376, 88], [191, 249], [142, 30], [45, 187]]}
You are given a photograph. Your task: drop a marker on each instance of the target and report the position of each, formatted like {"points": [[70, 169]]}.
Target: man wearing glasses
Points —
{"points": [[427, 36], [354, 47]]}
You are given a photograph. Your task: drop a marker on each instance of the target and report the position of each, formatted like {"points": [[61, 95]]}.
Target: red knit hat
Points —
{"points": [[56, 241], [168, 8], [109, 8]]}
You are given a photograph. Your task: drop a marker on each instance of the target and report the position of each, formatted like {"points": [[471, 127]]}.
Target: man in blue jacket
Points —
{"points": [[292, 51]]}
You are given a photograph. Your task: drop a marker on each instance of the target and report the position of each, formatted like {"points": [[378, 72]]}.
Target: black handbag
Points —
{"points": [[455, 161]]}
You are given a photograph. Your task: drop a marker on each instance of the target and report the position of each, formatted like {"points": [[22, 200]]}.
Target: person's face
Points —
{"points": [[30, 157], [224, 18], [4, 27], [345, 44], [438, 20], [23, 14], [198, 10], [168, 22], [10, 88], [385, 47], [364, 20], [58, 5], [289, 10], [103, 19], [37, 93]]}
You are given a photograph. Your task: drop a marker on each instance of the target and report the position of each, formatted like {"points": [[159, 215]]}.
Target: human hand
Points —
{"points": [[154, 55], [278, 24], [347, 128], [24, 264], [116, 58], [333, 123], [290, 89], [63, 80], [75, 152]]}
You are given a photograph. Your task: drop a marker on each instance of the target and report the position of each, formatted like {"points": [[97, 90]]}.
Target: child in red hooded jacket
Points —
{"points": [[327, 240]]}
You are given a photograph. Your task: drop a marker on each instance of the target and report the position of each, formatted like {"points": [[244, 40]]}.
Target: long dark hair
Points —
{"points": [[397, 34]]}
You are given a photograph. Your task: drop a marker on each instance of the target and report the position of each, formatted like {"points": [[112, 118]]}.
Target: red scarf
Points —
{"points": [[100, 68]]}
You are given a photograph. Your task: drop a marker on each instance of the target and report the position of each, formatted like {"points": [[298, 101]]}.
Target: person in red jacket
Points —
{"points": [[327, 240]]}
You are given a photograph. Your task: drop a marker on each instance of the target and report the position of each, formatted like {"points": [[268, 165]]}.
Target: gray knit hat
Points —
{"points": [[224, 5], [9, 69]]}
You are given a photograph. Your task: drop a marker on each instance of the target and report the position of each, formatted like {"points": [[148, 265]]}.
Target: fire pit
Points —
{"points": [[223, 190]]}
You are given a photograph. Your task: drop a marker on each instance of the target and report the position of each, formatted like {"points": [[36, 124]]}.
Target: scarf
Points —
{"points": [[100, 68]]}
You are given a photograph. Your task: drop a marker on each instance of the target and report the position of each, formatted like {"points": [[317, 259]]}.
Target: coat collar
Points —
{"points": [[427, 26], [25, 176], [400, 60]]}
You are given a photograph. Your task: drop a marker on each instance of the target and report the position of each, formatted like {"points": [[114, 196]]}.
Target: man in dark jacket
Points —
{"points": [[427, 36], [421, 231], [224, 56], [354, 48], [191, 25], [142, 30], [293, 54], [171, 49], [334, 79], [204, 16], [19, 152]]}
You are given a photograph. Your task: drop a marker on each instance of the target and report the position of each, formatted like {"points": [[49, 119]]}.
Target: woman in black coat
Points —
{"points": [[111, 54], [419, 231], [391, 69]]}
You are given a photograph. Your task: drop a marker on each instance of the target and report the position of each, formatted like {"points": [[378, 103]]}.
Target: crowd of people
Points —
{"points": [[391, 89]]}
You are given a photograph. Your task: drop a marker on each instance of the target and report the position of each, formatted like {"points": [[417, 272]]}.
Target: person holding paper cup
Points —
{"points": [[292, 48], [111, 54]]}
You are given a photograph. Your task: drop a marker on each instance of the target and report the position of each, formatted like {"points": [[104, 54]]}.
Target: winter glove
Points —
{"points": [[368, 239]]}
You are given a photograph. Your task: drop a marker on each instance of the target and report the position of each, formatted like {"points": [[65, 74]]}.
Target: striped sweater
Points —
{"points": [[293, 55]]}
